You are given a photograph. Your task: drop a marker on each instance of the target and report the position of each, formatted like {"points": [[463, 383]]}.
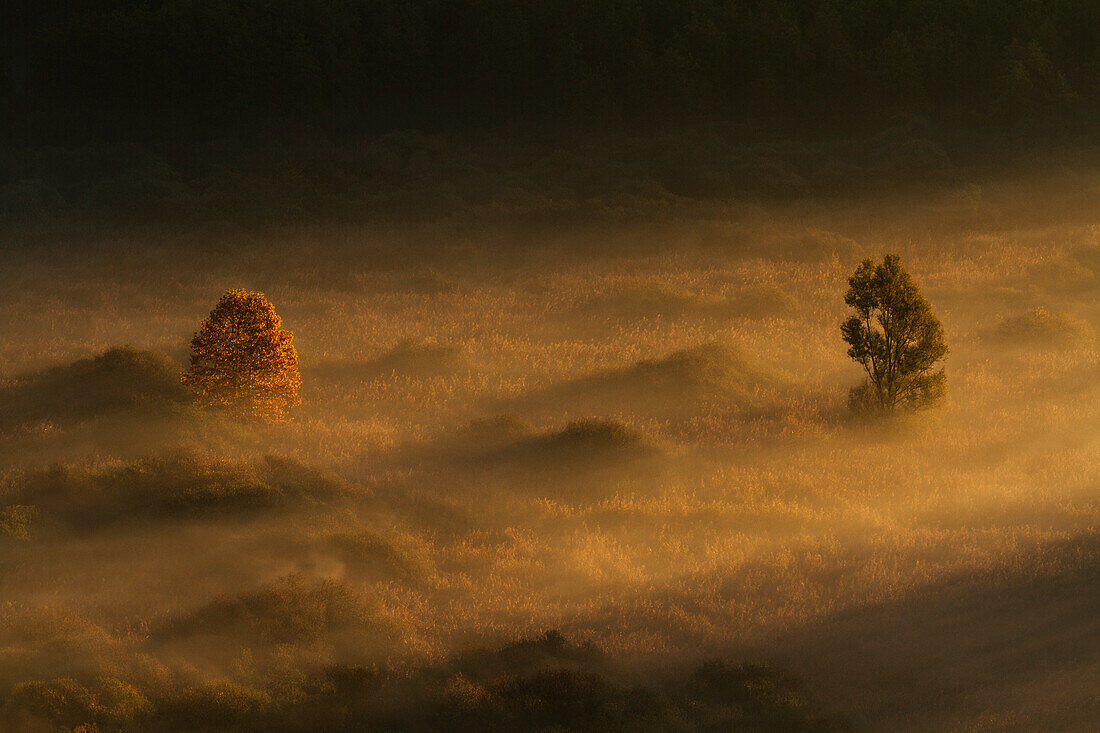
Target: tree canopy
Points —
{"points": [[242, 360], [895, 337]]}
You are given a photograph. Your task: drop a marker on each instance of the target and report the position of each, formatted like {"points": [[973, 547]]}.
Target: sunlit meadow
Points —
{"points": [[634, 432]]}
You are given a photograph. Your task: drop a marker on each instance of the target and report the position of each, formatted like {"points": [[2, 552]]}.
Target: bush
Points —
{"points": [[122, 379], [549, 683], [1040, 326], [218, 705], [290, 609], [61, 701], [538, 684], [164, 487], [70, 703], [592, 443]]}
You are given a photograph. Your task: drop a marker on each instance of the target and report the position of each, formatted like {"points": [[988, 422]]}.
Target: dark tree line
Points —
{"points": [[211, 67]]}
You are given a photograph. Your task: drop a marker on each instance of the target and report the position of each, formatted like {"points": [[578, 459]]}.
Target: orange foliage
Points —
{"points": [[242, 360]]}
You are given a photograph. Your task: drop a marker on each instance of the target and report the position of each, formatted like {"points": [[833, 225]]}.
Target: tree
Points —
{"points": [[243, 361], [895, 337]]}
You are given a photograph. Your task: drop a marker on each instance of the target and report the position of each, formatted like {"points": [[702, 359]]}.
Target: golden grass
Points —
{"points": [[765, 508]]}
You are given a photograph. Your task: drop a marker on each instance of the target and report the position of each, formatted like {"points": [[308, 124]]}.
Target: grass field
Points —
{"points": [[631, 429]]}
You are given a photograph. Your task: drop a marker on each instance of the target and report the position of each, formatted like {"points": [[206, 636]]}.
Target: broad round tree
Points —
{"points": [[243, 361], [894, 335]]}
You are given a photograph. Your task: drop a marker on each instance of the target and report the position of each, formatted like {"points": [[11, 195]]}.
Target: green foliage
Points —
{"points": [[895, 337]]}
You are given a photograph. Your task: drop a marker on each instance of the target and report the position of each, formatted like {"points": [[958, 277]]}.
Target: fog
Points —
{"points": [[604, 456]]}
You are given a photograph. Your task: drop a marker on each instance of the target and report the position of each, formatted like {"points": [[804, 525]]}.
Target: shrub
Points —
{"points": [[217, 705], [592, 443], [70, 703], [122, 379], [1040, 326], [61, 701], [160, 487], [289, 609]]}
